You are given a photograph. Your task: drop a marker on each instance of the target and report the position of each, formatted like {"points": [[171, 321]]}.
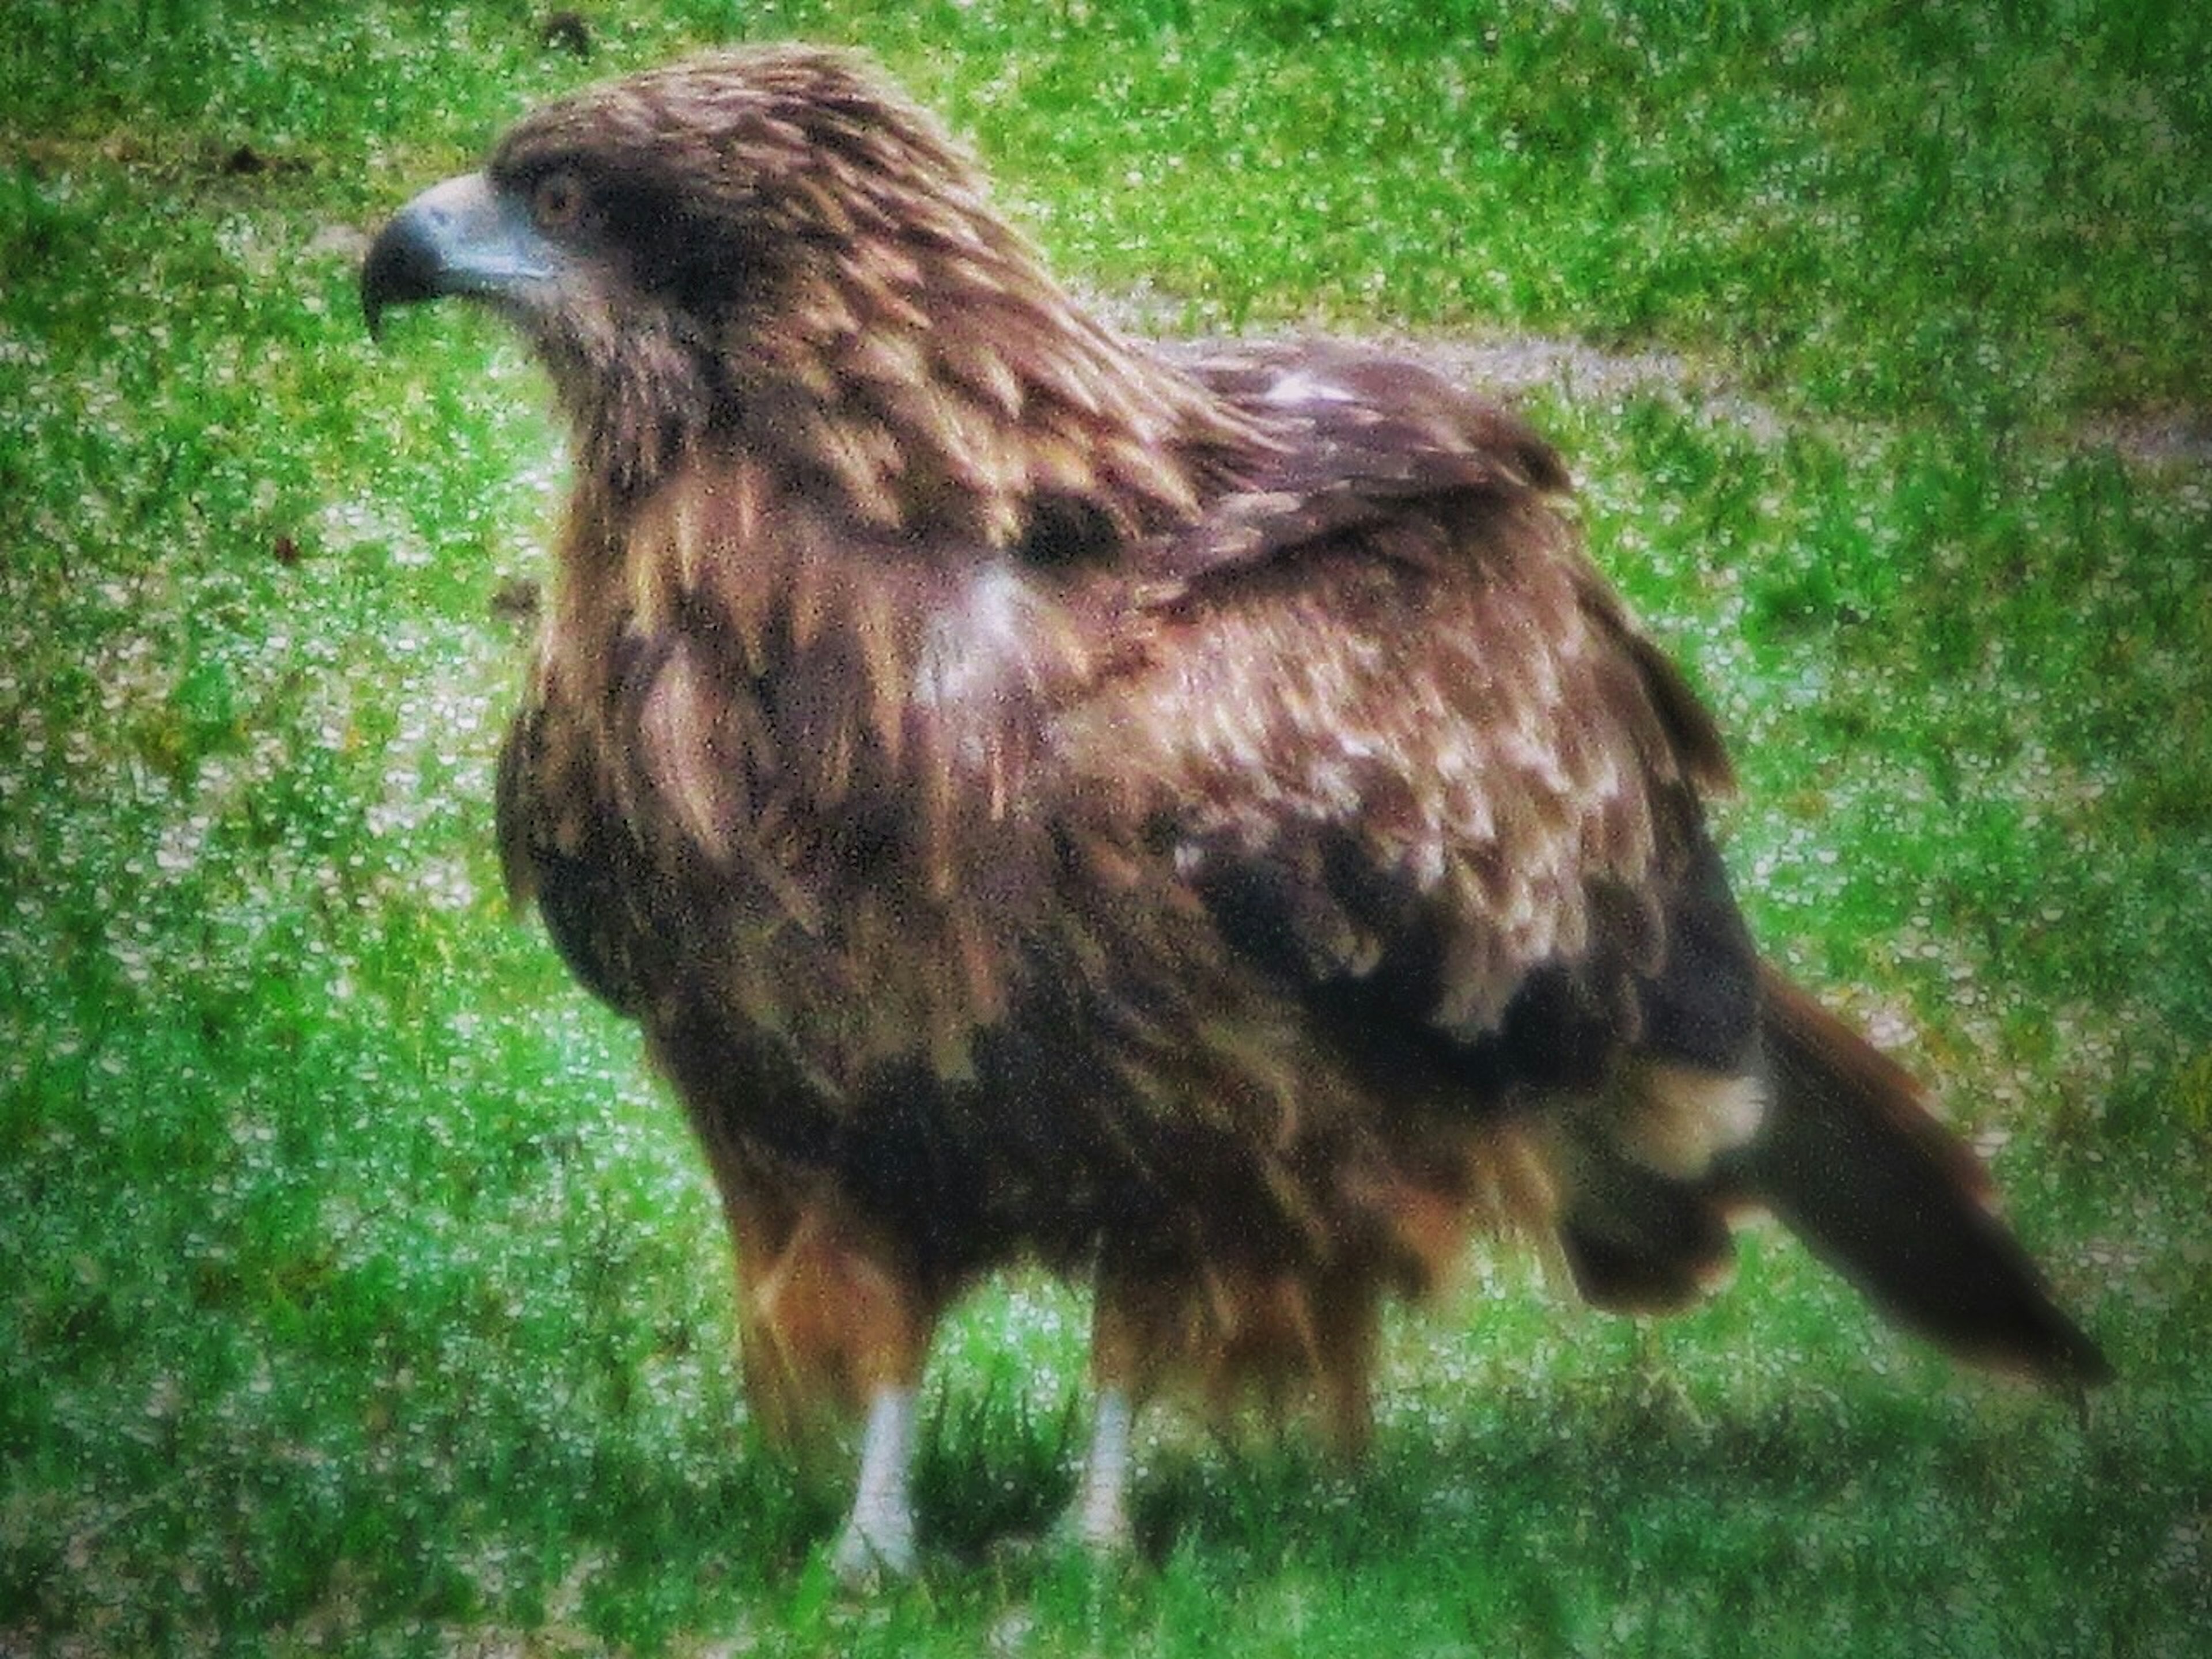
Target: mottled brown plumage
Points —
{"points": [[1201, 821]]}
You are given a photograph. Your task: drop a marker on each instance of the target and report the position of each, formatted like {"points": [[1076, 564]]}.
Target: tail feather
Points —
{"points": [[1852, 1162]]}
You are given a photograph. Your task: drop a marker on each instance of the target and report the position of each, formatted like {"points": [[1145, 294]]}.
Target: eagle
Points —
{"points": [[1194, 818]]}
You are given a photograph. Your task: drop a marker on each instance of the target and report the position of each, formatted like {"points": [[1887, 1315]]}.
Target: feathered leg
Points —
{"points": [[832, 1325], [833, 1322], [1097, 1520], [1227, 1332]]}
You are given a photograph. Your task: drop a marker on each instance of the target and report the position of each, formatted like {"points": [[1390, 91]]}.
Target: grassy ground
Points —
{"points": [[357, 1294]]}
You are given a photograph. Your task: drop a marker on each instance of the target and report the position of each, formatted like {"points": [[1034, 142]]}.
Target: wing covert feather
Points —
{"points": [[1408, 746]]}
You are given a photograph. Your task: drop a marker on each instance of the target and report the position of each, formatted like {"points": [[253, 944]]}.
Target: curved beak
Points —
{"points": [[462, 237]]}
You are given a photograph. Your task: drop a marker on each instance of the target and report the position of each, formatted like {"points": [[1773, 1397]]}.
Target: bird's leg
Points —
{"points": [[833, 1321], [1098, 1519], [878, 1536], [1122, 1345]]}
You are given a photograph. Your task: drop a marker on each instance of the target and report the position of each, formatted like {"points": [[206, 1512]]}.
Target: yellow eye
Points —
{"points": [[557, 201]]}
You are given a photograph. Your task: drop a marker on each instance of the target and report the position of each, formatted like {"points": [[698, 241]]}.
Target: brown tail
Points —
{"points": [[1852, 1162]]}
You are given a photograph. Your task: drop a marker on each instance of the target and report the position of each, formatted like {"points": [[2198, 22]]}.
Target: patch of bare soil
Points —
{"points": [[1509, 368], [2182, 440]]}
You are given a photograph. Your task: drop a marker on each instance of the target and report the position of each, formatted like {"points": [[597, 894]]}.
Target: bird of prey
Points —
{"points": [[1199, 821]]}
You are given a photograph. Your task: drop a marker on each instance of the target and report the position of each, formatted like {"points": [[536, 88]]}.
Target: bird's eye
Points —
{"points": [[557, 201]]}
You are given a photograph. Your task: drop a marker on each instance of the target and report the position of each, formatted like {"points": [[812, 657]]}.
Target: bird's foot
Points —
{"points": [[871, 1552], [1102, 1532]]}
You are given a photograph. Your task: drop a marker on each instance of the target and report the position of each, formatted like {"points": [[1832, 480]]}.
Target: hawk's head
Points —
{"points": [[776, 249]]}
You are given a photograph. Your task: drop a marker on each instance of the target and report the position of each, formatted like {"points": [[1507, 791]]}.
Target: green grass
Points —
{"points": [[358, 1294]]}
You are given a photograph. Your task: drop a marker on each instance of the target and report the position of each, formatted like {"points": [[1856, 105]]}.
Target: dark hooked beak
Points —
{"points": [[463, 237]]}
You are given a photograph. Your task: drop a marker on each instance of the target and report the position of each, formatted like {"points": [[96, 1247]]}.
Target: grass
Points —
{"points": [[358, 1294]]}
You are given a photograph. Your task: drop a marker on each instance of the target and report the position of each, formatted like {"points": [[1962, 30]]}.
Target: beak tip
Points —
{"points": [[457, 238], [403, 265]]}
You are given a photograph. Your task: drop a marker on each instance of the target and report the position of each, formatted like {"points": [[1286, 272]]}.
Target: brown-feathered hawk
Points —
{"points": [[1201, 822]]}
